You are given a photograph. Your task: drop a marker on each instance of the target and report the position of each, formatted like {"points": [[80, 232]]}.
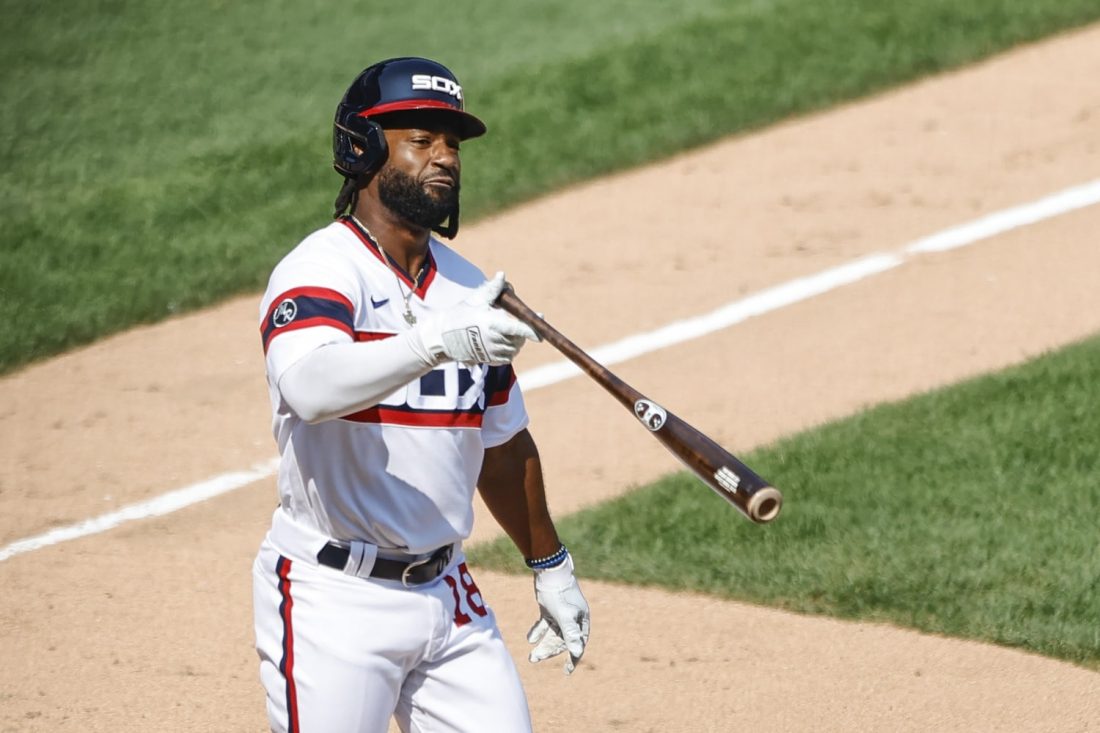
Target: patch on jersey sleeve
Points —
{"points": [[305, 308], [284, 313], [498, 384]]}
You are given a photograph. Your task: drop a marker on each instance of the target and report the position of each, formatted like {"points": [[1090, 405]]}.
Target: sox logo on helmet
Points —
{"points": [[421, 82]]}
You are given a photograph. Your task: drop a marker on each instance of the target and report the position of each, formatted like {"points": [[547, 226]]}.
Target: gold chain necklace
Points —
{"points": [[409, 317]]}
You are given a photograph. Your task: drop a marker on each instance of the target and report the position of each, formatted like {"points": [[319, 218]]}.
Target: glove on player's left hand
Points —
{"points": [[564, 620]]}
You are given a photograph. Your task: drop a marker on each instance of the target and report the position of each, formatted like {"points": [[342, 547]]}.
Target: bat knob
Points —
{"points": [[764, 505]]}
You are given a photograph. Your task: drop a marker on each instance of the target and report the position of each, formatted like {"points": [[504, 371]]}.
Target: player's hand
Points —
{"points": [[564, 616], [474, 332]]}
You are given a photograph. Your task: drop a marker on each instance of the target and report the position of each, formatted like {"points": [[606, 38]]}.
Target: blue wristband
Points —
{"points": [[550, 561]]}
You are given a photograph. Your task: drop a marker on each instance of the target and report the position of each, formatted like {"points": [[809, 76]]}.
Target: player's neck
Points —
{"points": [[405, 244]]}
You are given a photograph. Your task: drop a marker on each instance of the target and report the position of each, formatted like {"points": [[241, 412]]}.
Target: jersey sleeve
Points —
{"points": [[307, 305], [505, 412]]}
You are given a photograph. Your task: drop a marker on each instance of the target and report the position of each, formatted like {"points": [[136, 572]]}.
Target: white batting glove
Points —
{"points": [[564, 616], [474, 332]]}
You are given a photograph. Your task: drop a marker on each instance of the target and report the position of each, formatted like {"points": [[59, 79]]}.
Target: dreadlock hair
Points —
{"points": [[348, 196]]}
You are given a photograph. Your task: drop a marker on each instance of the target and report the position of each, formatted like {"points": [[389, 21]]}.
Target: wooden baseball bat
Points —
{"points": [[718, 468]]}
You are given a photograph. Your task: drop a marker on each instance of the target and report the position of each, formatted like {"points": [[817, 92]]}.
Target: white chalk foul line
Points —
{"points": [[728, 315], [803, 288], [155, 507], [1002, 221]]}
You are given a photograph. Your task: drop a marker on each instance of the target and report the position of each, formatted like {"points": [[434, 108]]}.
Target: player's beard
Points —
{"points": [[401, 194]]}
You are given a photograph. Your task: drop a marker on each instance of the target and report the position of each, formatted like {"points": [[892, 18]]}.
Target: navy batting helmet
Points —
{"points": [[395, 85]]}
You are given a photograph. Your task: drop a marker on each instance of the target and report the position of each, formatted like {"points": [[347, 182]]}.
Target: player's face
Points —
{"points": [[420, 179]]}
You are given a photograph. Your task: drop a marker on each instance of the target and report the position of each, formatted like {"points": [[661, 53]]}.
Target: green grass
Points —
{"points": [[160, 157], [970, 511]]}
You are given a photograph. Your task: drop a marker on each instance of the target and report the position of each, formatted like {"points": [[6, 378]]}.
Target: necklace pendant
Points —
{"points": [[410, 318]]}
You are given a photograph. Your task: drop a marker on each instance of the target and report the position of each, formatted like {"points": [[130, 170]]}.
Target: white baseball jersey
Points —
{"points": [[400, 474]]}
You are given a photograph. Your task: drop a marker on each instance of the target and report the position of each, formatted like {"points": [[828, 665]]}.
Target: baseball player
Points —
{"points": [[393, 397]]}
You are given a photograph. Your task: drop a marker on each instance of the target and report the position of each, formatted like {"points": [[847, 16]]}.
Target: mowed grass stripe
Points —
{"points": [[969, 511], [160, 158]]}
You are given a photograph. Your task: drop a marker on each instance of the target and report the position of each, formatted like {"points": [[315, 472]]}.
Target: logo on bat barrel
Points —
{"points": [[651, 414], [727, 479]]}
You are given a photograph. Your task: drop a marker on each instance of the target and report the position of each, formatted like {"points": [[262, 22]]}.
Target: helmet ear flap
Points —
{"points": [[350, 132]]}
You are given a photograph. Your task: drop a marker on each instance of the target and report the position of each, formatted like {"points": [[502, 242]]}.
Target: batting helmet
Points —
{"points": [[394, 85]]}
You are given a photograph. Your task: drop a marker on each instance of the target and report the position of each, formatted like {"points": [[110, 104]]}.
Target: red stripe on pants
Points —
{"points": [[286, 666]]}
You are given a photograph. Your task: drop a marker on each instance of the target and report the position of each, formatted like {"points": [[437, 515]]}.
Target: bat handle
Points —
{"points": [[510, 303]]}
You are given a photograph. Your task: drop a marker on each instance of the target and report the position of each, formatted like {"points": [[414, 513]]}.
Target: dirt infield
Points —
{"points": [[148, 626]]}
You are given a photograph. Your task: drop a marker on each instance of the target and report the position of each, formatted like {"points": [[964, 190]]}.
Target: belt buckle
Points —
{"points": [[442, 558], [412, 566]]}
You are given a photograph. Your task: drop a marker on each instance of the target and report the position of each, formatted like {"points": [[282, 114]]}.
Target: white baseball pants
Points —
{"points": [[344, 654]]}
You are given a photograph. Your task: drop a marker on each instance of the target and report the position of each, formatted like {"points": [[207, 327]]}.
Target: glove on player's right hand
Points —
{"points": [[474, 332]]}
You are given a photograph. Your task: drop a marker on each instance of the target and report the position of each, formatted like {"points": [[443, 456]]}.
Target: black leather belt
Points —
{"points": [[409, 573]]}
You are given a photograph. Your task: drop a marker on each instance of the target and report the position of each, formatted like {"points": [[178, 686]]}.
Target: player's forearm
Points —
{"points": [[338, 379], [511, 486]]}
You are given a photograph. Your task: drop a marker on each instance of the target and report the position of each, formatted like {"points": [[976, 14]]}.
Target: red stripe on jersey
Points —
{"points": [[422, 419], [307, 323], [309, 292], [373, 247], [286, 666], [372, 335]]}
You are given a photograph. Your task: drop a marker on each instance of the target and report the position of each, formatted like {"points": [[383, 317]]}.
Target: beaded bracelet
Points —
{"points": [[550, 561]]}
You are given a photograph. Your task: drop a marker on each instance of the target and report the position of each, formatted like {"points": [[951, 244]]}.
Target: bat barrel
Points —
{"points": [[764, 505]]}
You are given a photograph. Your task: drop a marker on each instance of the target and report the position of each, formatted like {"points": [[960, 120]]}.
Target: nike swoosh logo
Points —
{"points": [[378, 303]]}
